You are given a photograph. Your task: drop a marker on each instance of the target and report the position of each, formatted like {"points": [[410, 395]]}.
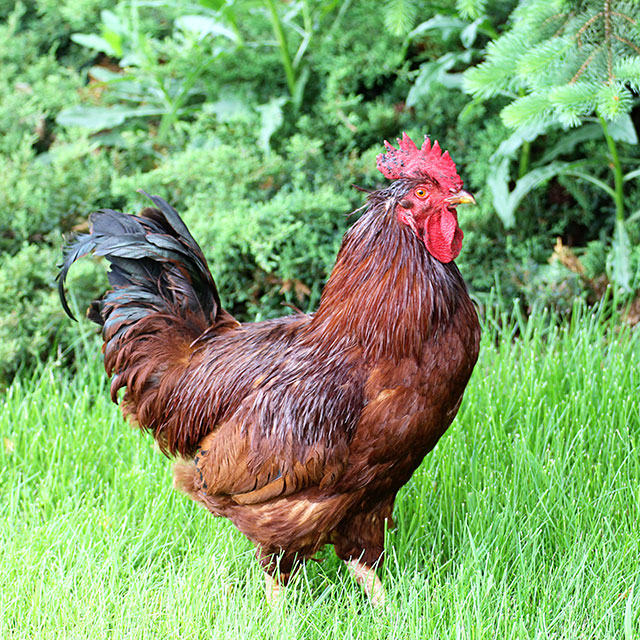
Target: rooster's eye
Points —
{"points": [[420, 192]]}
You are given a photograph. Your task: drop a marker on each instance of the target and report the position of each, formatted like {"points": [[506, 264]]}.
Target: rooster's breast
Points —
{"points": [[410, 404]]}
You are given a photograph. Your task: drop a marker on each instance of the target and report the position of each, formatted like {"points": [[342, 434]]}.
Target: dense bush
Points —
{"points": [[257, 138]]}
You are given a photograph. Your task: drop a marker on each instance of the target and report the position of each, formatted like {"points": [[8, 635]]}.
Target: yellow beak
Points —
{"points": [[462, 197]]}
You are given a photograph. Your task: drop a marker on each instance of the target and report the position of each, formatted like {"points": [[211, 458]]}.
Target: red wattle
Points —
{"points": [[443, 237]]}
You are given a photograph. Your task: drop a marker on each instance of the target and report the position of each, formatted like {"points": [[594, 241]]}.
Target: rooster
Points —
{"points": [[301, 430]]}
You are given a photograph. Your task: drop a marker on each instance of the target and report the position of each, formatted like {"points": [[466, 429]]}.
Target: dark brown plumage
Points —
{"points": [[302, 429]]}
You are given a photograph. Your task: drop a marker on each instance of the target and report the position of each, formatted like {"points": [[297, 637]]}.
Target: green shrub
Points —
{"points": [[32, 326], [42, 196]]}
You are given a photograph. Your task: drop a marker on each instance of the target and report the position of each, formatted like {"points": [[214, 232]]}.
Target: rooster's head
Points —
{"points": [[427, 193]]}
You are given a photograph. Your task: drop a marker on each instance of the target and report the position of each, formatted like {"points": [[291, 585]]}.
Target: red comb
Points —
{"points": [[410, 162]]}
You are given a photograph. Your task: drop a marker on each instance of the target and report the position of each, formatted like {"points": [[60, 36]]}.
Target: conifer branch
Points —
{"points": [[555, 16], [589, 66], [607, 37], [585, 64], [558, 16], [625, 17], [563, 26], [596, 45], [627, 42], [585, 26]]}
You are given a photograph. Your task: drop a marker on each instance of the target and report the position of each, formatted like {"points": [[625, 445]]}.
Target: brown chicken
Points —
{"points": [[301, 430]]}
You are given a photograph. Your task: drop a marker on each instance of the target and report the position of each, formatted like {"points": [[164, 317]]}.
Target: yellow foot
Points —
{"points": [[366, 577], [274, 591]]}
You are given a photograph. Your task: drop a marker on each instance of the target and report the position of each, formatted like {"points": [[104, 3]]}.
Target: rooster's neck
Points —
{"points": [[386, 292]]}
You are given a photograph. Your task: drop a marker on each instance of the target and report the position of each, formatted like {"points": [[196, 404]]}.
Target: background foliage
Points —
{"points": [[254, 117]]}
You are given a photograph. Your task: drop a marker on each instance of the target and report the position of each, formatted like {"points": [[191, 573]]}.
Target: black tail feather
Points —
{"points": [[172, 217], [83, 245], [156, 267]]}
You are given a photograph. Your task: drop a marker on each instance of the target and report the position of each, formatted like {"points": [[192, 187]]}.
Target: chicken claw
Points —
{"points": [[366, 577], [274, 591]]}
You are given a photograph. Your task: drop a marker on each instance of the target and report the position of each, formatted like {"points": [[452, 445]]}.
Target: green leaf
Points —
{"points": [[619, 258], [115, 41], [98, 118], [112, 22], [93, 118], [634, 216], [509, 147], [573, 169], [271, 120], [228, 107], [97, 43], [434, 74], [469, 34], [631, 175], [301, 83], [623, 129], [203, 26], [498, 183], [507, 203], [446, 26], [213, 4], [570, 140], [628, 617], [102, 74]]}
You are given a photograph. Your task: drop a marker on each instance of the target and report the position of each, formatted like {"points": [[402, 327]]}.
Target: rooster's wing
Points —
{"points": [[278, 408]]}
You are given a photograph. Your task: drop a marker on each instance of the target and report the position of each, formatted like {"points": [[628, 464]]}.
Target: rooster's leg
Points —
{"points": [[366, 577], [274, 591]]}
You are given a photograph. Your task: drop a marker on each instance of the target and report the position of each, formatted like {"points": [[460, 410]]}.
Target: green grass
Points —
{"points": [[523, 523]]}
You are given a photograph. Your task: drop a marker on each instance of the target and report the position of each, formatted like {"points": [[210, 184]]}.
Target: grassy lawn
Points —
{"points": [[523, 523]]}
